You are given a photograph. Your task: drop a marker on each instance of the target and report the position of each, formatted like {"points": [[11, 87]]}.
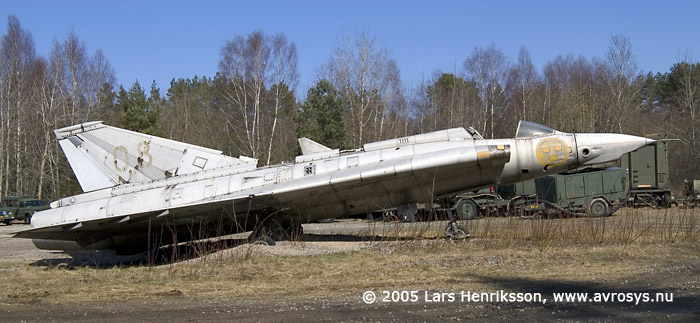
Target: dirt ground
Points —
{"points": [[505, 270]]}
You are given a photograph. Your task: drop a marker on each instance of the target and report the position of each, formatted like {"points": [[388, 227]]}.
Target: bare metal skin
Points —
{"points": [[136, 184]]}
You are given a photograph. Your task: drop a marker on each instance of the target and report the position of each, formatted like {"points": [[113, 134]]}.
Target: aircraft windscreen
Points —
{"points": [[529, 129]]}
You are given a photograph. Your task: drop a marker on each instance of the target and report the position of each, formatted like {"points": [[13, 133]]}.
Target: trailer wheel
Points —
{"points": [[466, 210], [666, 200], [598, 207]]}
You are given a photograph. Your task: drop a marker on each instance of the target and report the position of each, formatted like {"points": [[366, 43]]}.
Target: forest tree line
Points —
{"points": [[250, 106]]}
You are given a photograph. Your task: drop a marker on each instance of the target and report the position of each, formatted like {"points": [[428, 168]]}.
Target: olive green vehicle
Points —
{"points": [[691, 194], [6, 215], [22, 207], [498, 200], [590, 192], [642, 178], [648, 174]]}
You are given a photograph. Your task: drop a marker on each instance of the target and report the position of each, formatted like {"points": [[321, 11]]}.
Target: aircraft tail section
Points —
{"points": [[309, 146], [102, 156]]}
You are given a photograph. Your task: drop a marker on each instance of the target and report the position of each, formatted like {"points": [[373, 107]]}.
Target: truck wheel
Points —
{"points": [[28, 218], [466, 210], [598, 207], [516, 211], [8, 222]]}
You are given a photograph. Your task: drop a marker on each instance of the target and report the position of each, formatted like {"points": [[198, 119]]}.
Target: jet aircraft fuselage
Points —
{"points": [[135, 183]]}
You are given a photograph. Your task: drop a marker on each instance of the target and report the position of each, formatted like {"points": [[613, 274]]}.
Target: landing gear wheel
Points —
{"points": [[276, 229], [285, 230], [598, 208], [455, 232], [261, 235], [264, 241]]}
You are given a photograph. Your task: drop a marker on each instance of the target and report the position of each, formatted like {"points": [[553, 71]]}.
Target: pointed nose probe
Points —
{"points": [[597, 148]]}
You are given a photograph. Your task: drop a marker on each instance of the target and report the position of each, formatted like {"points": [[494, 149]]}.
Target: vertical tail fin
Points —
{"points": [[309, 146], [102, 156]]}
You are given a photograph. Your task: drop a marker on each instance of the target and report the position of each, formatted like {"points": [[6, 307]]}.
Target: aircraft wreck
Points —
{"points": [[135, 184]]}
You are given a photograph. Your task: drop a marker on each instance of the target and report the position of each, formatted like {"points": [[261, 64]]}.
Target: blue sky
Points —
{"points": [[161, 40]]}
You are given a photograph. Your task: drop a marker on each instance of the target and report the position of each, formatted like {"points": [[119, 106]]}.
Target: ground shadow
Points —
{"points": [[191, 250], [686, 305]]}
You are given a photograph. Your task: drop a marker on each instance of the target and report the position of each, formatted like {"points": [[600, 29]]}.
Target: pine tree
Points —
{"points": [[137, 114], [321, 117], [155, 101]]}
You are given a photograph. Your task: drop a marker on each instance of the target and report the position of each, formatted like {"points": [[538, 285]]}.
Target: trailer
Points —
{"points": [[590, 192], [691, 195], [649, 173], [501, 200]]}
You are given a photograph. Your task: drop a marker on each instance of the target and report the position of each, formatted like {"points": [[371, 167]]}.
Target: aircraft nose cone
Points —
{"points": [[597, 148]]}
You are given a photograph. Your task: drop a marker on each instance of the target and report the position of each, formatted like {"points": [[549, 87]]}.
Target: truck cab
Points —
{"points": [[22, 207]]}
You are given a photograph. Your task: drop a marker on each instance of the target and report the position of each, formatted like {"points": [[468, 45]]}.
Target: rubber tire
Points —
{"points": [[280, 230], [461, 233], [598, 207], [666, 200], [263, 241], [466, 210], [28, 218]]}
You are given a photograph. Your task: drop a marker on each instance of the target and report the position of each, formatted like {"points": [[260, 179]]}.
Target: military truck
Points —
{"points": [[590, 192], [6, 215], [648, 173], [23, 207]]}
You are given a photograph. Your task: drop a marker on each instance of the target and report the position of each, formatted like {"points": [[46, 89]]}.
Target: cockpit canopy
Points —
{"points": [[531, 129]]}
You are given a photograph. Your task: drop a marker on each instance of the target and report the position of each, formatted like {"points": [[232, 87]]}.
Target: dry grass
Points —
{"points": [[626, 227], [586, 249]]}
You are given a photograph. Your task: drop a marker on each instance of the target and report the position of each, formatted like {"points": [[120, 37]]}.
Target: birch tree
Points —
{"points": [[488, 67], [284, 77], [523, 83], [369, 81], [17, 56], [622, 84], [680, 98], [248, 66]]}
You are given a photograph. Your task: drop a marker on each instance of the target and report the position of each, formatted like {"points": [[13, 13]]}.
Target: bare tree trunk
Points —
{"points": [[3, 118], [7, 139], [7, 154], [42, 168], [274, 125], [18, 154]]}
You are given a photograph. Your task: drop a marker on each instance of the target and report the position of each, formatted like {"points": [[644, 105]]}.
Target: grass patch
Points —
{"points": [[585, 250]]}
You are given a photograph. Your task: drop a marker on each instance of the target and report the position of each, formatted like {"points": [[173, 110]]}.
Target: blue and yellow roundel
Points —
{"points": [[552, 152]]}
